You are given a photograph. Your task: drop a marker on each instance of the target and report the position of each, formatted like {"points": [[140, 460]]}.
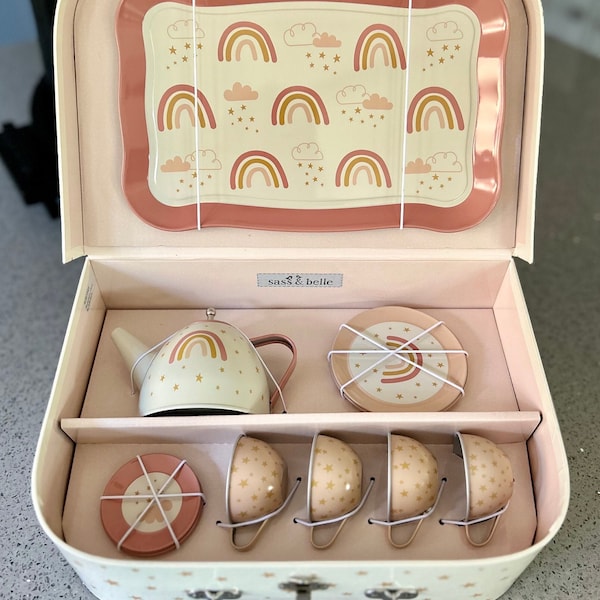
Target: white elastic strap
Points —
{"points": [[465, 523], [149, 505], [196, 113], [159, 344], [342, 517], [141, 357], [389, 353], [397, 353], [405, 126], [151, 496], [420, 517], [265, 517]]}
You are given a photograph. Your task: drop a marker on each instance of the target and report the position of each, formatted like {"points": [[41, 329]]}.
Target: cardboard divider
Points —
{"points": [[433, 428]]}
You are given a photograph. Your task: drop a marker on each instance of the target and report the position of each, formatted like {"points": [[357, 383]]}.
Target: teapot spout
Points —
{"points": [[135, 354]]}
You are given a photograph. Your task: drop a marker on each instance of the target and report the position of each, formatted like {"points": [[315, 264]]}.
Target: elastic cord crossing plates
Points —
{"points": [[151, 504], [398, 359]]}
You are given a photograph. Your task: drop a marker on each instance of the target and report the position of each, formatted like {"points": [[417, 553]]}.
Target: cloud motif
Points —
{"points": [[377, 102], [175, 165], [300, 34], [445, 162], [325, 40], [352, 94], [443, 31], [240, 92], [307, 151], [184, 30], [207, 160], [417, 167]]}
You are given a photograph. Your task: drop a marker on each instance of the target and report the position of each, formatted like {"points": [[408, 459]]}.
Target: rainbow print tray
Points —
{"points": [[310, 116]]}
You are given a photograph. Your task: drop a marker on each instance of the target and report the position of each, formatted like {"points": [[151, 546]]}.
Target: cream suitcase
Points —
{"points": [[154, 274]]}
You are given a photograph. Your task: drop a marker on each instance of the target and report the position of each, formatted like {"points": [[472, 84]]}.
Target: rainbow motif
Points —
{"points": [[438, 102], [253, 163], [210, 345], [402, 371], [301, 98], [379, 40], [245, 34], [184, 99], [362, 162]]}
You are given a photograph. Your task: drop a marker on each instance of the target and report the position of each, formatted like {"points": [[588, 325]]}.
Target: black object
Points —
{"points": [[30, 152]]}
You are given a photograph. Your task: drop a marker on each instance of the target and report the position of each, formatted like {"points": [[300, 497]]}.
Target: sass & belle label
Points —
{"points": [[300, 280]]}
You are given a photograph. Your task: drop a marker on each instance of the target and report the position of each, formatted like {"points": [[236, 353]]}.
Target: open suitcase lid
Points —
{"points": [[276, 136]]}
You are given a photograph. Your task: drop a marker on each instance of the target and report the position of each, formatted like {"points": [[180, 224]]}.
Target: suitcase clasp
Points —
{"points": [[391, 593], [303, 586], [231, 594]]}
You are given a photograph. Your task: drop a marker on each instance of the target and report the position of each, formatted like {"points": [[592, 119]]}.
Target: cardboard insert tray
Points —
{"points": [[108, 426]]}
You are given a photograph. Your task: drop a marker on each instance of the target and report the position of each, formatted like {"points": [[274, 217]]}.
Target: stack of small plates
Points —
{"points": [[151, 504], [398, 359]]}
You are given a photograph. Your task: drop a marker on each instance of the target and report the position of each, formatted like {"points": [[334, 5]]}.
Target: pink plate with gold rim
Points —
{"points": [[310, 116]]}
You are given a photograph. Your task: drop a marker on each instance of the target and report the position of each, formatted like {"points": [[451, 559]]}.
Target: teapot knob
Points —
{"points": [[210, 313]]}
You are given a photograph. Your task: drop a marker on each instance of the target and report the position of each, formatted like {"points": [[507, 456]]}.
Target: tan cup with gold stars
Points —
{"points": [[414, 489], [256, 488], [489, 484], [335, 486]]}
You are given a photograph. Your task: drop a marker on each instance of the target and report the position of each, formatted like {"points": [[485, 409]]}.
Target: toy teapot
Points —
{"points": [[208, 367]]}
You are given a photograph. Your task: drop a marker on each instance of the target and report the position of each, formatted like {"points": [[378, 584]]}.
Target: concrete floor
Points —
{"points": [[562, 289]]}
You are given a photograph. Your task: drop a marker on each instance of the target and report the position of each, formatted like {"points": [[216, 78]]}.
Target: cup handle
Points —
{"points": [[262, 521], [400, 546], [487, 538], [330, 542], [248, 545], [276, 338], [341, 520]]}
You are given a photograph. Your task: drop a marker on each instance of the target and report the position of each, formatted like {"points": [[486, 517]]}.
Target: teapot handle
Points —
{"points": [[277, 338]]}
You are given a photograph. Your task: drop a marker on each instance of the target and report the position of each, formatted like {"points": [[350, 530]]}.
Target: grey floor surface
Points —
{"points": [[562, 289]]}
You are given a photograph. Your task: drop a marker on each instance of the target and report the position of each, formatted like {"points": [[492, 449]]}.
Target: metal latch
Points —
{"points": [[232, 594], [303, 586], [391, 593]]}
